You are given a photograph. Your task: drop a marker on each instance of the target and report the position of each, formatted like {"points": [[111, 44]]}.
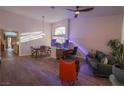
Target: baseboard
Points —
{"points": [[25, 54]]}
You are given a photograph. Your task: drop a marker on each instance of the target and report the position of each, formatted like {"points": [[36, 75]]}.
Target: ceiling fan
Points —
{"points": [[77, 10]]}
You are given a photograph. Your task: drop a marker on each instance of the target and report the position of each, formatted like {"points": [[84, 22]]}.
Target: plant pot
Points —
{"points": [[118, 73]]}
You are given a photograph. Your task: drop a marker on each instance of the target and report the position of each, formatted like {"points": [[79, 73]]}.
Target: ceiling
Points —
{"points": [[59, 12]]}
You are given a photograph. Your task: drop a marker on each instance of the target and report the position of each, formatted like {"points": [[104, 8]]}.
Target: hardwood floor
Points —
{"points": [[43, 71]]}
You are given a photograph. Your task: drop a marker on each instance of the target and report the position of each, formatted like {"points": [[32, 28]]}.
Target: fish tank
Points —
{"points": [[59, 42]]}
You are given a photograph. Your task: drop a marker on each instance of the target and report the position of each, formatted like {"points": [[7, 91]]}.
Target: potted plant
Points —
{"points": [[118, 52]]}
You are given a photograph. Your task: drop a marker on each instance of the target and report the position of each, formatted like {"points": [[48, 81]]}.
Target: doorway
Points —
{"points": [[10, 45]]}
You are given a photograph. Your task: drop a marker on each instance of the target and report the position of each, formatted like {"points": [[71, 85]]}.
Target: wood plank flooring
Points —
{"points": [[44, 71]]}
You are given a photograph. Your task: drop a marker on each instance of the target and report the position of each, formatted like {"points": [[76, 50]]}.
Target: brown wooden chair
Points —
{"points": [[48, 50], [33, 52], [43, 50]]}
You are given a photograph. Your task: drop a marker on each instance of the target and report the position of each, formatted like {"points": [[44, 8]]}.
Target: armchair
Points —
{"points": [[70, 53]]}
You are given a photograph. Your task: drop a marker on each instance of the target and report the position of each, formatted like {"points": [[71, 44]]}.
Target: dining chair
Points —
{"points": [[43, 50], [33, 52]]}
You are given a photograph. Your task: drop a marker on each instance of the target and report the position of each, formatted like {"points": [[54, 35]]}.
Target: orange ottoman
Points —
{"points": [[67, 70]]}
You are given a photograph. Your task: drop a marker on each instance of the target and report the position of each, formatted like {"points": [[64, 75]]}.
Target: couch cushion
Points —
{"points": [[94, 65], [104, 60], [89, 59], [99, 55], [92, 53], [111, 59]]}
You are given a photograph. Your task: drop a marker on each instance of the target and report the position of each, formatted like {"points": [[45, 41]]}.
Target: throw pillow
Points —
{"points": [[104, 60], [99, 55], [111, 59]]}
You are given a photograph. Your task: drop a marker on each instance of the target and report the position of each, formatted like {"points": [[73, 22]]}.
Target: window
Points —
{"points": [[59, 38], [60, 34], [10, 34], [60, 31], [26, 37]]}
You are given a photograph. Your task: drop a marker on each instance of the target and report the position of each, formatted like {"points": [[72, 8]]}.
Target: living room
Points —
{"points": [[37, 26]]}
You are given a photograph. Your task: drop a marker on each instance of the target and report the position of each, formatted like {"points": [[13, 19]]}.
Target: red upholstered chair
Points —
{"points": [[67, 71]]}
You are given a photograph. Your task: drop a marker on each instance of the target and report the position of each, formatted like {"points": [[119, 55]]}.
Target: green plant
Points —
{"points": [[118, 51]]}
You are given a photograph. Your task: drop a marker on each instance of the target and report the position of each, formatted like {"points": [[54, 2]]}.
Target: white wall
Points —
{"points": [[0, 43], [88, 33], [95, 32], [23, 24], [122, 34], [66, 23]]}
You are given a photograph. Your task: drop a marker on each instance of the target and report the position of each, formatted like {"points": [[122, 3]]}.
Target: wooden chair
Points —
{"points": [[43, 50], [48, 50], [33, 52]]}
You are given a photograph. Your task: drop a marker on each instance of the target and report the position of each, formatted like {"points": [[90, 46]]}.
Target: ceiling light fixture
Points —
{"points": [[77, 12], [43, 25]]}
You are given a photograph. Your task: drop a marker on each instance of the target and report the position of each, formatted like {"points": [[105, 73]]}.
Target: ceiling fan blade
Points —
{"points": [[77, 7], [87, 9], [71, 10]]}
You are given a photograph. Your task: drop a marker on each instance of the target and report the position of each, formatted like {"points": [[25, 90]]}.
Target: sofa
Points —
{"points": [[99, 68]]}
